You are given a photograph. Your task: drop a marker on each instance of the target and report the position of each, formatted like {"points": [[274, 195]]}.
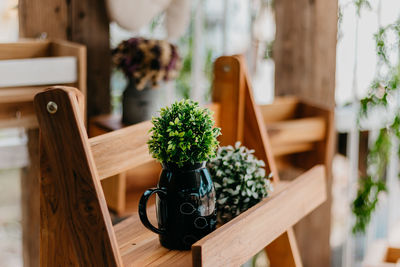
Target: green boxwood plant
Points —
{"points": [[240, 180], [183, 134]]}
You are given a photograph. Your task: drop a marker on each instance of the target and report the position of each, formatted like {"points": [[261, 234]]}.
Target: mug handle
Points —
{"points": [[143, 212]]}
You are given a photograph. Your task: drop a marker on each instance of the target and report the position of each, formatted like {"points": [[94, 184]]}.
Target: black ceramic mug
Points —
{"points": [[185, 205]]}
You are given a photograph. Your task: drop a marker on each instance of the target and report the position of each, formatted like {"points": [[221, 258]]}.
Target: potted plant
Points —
{"points": [[183, 139], [146, 64], [240, 181]]}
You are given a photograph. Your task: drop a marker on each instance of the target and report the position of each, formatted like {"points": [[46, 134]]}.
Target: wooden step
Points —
{"points": [[236, 241]]}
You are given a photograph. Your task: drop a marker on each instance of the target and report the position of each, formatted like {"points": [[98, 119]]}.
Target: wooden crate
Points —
{"points": [[16, 108]]}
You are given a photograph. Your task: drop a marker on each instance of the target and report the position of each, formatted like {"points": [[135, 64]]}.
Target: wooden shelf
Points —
{"points": [[247, 234], [294, 126], [108, 158]]}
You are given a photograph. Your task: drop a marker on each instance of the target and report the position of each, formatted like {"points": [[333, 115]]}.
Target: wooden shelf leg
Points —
{"points": [[115, 192], [30, 203], [283, 251]]}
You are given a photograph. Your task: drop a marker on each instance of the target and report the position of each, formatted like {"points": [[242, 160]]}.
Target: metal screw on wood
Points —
{"points": [[226, 68], [52, 107]]}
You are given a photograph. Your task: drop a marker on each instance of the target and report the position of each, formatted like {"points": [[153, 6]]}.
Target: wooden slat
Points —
{"points": [[28, 122], [19, 94], [140, 247], [283, 108], [297, 131], [38, 71], [291, 148], [261, 224], [121, 150], [24, 49]]}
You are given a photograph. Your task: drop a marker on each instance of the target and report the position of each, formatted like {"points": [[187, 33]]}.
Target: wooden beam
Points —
{"points": [[305, 62], [43, 16], [90, 26], [84, 22], [305, 50]]}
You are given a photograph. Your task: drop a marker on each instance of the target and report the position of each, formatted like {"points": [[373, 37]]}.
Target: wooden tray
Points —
{"points": [[236, 241]]}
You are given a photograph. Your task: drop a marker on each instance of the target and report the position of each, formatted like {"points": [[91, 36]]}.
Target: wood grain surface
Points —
{"points": [[235, 242], [74, 215]]}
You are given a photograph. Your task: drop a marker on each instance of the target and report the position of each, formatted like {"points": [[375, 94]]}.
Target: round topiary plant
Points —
{"points": [[183, 134], [239, 180]]}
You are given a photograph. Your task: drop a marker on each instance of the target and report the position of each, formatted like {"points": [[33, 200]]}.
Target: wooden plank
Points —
{"points": [[89, 25], [140, 247], [38, 71], [286, 149], [283, 108], [19, 94], [303, 130], [24, 49], [264, 222], [121, 150], [71, 188], [43, 16], [28, 122], [29, 195]]}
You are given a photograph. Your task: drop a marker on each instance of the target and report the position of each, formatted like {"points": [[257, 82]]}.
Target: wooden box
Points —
{"points": [[31, 66]]}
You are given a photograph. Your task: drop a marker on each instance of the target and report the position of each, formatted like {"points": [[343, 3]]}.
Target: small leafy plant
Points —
{"points": [[239, 180], [183, 134]]}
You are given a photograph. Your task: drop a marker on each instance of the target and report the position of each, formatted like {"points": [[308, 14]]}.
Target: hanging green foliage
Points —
{"points": [[383, 94]]}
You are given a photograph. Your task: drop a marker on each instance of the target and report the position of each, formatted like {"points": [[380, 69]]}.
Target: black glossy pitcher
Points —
{"points": [[185, 205]]}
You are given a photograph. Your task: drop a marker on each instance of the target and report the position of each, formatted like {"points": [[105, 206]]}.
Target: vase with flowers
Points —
{"points": [[146, 63]]}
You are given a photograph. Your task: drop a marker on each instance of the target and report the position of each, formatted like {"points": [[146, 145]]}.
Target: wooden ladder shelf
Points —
{"points": [[75, 223]]}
